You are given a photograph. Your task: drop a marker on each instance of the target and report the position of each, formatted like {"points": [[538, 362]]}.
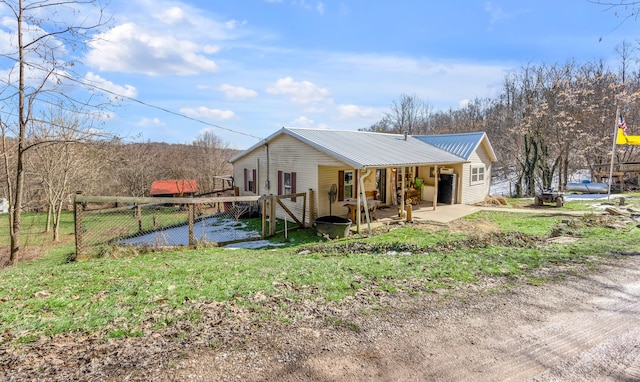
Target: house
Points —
{"points": [[174, 188], [475, 172], [450, 168]]}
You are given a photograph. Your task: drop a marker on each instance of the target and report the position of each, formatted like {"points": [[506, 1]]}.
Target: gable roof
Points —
{"points": [[362, 149], [460, 144], [173, 186]]}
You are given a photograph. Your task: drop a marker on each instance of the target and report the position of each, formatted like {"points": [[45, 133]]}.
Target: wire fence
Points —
{"points": [[103, 224]]}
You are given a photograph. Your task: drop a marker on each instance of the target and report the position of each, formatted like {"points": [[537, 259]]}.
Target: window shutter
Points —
{"points": [[340, 185], [246, 179], [279, 182], [293, 185], [255, 183]]}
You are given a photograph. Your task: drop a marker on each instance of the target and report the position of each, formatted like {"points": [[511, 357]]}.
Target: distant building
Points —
{"points": [[177, 188], [4, 206]]}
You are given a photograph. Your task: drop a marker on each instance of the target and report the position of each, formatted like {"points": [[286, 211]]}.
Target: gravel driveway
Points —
{"points": [[584, 327]]}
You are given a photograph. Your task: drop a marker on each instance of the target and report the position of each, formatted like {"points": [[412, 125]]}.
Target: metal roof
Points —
{"points": [[362, 149], [461, 144], [173, 186]]}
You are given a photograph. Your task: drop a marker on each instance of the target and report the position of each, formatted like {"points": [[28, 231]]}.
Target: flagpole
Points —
{"points": [[613, 151]]}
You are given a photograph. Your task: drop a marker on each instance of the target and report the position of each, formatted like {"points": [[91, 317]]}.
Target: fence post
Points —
{"points": [[139, 217], [263, 201], [310, 196], [272, 216], [77, 223], [192, 240]]}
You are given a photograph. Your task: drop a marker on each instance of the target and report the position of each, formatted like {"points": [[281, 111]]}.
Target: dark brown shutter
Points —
{"points": [[255, 182], [340, 185], [279, 182], [293, 185], [246, 179]]}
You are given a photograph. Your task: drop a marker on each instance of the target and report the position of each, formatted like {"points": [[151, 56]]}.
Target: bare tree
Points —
{"points": [[133, 166], [43, 38], [409, 115], [212, 159], [59, 161]]}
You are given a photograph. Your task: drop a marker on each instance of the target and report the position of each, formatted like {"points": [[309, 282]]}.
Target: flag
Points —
{"points": [[622, 124]]}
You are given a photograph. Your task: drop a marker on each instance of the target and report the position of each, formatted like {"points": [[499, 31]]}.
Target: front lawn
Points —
{"points": [[136, 295]]}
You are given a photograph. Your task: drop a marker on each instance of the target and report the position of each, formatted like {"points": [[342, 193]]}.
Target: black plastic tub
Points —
{"points": [[333, 226]]}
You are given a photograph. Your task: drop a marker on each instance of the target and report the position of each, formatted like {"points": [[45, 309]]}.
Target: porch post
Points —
{"points": [[435, 189], [402, 192], [358, 199]]}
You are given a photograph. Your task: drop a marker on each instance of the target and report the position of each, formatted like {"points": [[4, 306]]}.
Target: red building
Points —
{"points": [[176, 188]]}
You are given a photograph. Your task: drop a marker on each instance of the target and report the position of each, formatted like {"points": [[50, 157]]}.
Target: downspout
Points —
{"points": [[362, 195], [267, 185]]}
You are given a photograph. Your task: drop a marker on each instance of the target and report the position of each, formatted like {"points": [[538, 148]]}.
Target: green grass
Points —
{"points": [[132, 296], [33, 229]]}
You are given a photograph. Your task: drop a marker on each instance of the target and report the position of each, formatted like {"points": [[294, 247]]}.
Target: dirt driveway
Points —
{"points": [[584, 327]]}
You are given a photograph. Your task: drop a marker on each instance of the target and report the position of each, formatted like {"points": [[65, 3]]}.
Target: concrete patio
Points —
{"points": [[446, 213], [422, 213]]}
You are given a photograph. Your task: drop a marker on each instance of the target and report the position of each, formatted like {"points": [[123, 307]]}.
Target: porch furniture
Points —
{"points": [[372, 205], [411, 196]]}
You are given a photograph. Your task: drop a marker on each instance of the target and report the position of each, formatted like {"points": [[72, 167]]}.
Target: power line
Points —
{"points": [[94, 86]]}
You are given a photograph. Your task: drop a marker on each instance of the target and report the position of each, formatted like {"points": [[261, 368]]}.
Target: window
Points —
{"points": [[477, 174], [250, 181], [347, 187], [287, 183]]}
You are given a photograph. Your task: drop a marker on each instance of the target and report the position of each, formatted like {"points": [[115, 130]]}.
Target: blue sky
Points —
{"points": [[245, 68]]}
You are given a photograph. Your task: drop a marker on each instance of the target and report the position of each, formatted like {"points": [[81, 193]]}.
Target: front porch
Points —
{"points": [[422, 212]]}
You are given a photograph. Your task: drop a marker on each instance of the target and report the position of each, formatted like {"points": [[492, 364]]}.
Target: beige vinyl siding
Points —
{"points": [[475, 193], [328, 175], [288, 154], [255, 161]]}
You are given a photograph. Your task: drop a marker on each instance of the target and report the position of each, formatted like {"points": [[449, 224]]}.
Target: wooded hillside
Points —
{"points": [[546, 122]]}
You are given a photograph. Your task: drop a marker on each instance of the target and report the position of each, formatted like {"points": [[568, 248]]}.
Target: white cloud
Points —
{"points": [[114, 91], [303, 122], [314, 110], [497, 14], [237, 92], [157, 37], [317, 6], [357, 112], [148, 122], [172, 15], [306, 122], [210, 49], [299, 92], [205, 112], [128, 48]]}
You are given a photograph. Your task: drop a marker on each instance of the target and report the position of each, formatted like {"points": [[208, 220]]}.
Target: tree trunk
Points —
{"points": [[16, 206], [47, 227], [56, 222]]}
